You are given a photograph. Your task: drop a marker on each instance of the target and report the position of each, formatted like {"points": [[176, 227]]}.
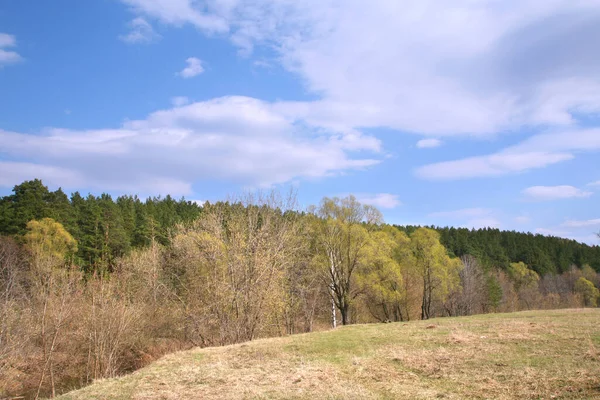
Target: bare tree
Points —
{"points": [[472, 280], [235, 258], [13, 303]]}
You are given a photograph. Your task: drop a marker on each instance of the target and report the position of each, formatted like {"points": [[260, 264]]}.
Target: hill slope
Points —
{"points": [[539, 354]]}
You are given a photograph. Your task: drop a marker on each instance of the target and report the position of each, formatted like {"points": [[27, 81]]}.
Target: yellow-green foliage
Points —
{"points": [[588, 291], [522, 276], [345, 247], [381, 278], [48, 238], [439, 272], [591, 275]]}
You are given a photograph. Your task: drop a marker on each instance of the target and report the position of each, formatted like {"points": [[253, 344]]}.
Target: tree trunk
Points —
{"points": [[333, 314], [344, 312]]}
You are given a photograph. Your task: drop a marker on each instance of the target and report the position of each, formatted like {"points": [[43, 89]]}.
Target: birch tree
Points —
{"points": [[343, 238]]}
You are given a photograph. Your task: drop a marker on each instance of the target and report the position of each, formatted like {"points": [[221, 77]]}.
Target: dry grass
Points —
{"points": [[526, 355]]}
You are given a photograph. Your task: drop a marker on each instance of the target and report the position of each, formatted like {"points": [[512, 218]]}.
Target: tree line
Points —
{"points": [[225, 273], [107, 228], [496, 248], [104, 228]]}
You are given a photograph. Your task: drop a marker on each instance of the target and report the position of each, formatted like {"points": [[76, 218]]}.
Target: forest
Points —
{"points": [[93, 287]]}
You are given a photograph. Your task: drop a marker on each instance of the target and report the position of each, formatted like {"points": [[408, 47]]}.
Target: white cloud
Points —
{"points": [[523, 219], [542, 193], [179, 12], [428, 143], [140, 31], [590, 239], [489, 66], [13, 173], [492, 165], [236, 139], [8, 56], [597, 183], [179, 101], [537, 151], [380, 200], [262, 64], [194, 68], [581, 224], [7, 40]]}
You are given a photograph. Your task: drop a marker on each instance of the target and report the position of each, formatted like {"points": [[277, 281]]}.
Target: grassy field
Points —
{"points": [[526, 355]]}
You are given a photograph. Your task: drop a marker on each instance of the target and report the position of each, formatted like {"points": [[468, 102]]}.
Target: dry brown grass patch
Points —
{"points": [[532, 355]]}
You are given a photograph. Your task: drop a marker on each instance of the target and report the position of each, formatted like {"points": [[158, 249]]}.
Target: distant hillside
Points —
{"points": [[541, 354], [496, 248], [107, 228]]}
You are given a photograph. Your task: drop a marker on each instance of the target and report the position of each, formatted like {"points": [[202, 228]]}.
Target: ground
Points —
{"points": [[525, 355]]}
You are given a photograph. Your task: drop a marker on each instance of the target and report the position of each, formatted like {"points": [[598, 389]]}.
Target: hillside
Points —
{"points": [[537, 354], [107, 228]]}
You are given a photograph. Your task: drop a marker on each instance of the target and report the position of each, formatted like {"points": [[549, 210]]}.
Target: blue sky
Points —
{"points": [[449, 113]]}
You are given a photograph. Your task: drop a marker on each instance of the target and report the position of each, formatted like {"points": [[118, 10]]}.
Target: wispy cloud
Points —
{"points": [[381, 200], [488, 166], [545, 193], [523, 219], [536, 152], [501, 79], [140, 31], [179, 12], [7, 40], [428, 143], [581, 224], [194, 68], [8, 57], [235, 139], [262, 63], [179, 101]]}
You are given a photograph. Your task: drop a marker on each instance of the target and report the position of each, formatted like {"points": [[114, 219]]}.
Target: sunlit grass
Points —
{"points": [[527, 355]]}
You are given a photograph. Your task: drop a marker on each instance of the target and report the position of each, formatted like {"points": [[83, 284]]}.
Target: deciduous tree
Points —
{"points": [[343, 237], [439, 272]]}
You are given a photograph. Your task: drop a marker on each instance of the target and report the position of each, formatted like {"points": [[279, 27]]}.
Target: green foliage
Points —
{"points": [[104, 229], [48, 238], [589, 292], [438, 271], [494, 291], [344, 246], [497, 249], [381, 278], [522, 276], [107, 228]]}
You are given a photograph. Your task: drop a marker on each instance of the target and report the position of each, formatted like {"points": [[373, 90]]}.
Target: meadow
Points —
{"points": [[524, 355]]}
